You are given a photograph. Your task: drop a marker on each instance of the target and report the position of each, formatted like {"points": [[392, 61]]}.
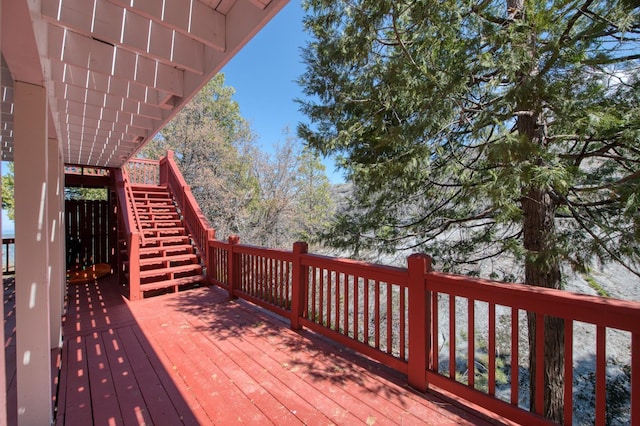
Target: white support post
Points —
{"points": [[57, 259], [33, 336]]}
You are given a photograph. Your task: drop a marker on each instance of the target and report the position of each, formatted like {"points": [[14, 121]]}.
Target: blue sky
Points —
{"points": [[264, 75]]}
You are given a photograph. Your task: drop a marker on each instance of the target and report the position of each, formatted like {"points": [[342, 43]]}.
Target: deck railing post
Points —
{"points": [[419, 321], [210, 260], [233, 265], [299, 284], [164, 168]]}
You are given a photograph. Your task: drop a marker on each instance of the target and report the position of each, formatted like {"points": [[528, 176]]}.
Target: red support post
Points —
{"points": [[134, 267], [419, 321], [233, 269], [164, 168], [210, 261], [299, 285]]}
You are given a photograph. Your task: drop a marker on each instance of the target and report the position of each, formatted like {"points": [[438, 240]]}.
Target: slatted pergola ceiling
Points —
{"points": [[117, 71]]}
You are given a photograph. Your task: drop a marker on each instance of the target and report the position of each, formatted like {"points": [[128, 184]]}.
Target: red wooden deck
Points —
{"points": [[197, 357]]}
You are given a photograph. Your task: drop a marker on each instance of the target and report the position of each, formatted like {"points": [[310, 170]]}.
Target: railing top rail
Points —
{"points": [[357, 267], [196, 221], [263, 252], [615, 313], [143, 161], [132, 224]]}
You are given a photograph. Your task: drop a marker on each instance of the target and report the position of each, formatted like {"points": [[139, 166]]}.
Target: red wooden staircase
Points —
{"points": [[163, 234], [167, 257]]}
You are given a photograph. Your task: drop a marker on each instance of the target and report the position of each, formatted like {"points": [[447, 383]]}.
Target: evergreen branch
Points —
{"points": [[578, 218], [609, 185], [490, 255], [611, 60], [596, 203]]}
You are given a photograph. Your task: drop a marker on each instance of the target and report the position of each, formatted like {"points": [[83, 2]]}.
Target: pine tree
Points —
{"points": [[213, 147], [473, 129]]}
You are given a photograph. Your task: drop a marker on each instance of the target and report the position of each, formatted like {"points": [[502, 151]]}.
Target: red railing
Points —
{"points": [[407, 319], [129, 227], [9, 258], [194, 219], [142, 171]]}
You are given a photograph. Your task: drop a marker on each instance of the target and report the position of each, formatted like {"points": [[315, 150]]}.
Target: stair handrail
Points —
{"points": [[195, 221], [137, 223], [133, 235]]}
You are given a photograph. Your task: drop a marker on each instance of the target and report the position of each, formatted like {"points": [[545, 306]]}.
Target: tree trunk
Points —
{"points": [[542, 269]]}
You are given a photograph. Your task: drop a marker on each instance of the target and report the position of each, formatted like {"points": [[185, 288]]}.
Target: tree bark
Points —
{"points": [[542, 269]]}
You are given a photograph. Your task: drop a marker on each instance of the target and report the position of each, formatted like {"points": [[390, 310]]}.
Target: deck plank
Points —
{"points": [[77, 394], [275, 377], [213, 390], [105, 406], [190, 413], [156, 398]]}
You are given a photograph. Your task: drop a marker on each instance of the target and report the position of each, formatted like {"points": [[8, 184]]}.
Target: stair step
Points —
{"points": [[145, 208], [193, 268], [154, 203], [165, 241], [156, 210], [159, 216], [163, 250], [160, 221], [147, 187], [146, 192], [176, 282], [169, 259], [166, 231]]}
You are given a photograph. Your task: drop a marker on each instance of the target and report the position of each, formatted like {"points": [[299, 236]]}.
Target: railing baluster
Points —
{"points": [[540, 353], [272, 287], [515, 340], [452, 337], [471, 343], [635, 378], [356, 311], [366, 310], [318, 275], [389, 318], [568, 372], [337, 305], [346, 304], [492, 349], [313, 295], [435, 349], [403, 319], [601, 374], [377, 314]]}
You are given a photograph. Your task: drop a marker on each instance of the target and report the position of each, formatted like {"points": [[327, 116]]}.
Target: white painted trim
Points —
{"points": [[33, 352]]}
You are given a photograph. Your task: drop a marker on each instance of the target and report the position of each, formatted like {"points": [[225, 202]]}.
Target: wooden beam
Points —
{"points": [[116, 26], [202, 23], [102, 58], [107, 105]]}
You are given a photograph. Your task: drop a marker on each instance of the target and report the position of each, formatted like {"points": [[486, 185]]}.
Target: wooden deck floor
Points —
{"points": [[197, 357]]}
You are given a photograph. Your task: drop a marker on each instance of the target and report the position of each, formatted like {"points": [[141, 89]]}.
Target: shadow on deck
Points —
{"points": [[197, 357]]}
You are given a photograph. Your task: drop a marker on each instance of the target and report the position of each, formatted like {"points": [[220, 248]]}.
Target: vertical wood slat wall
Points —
{"points": [[88, 224]]}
